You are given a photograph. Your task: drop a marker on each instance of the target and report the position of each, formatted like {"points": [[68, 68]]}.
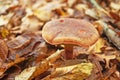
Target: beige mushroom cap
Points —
{"points": [[70, 31]]}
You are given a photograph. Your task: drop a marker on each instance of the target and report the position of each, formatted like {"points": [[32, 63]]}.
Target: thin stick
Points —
{"points": [[99, 7], [111, 34]]}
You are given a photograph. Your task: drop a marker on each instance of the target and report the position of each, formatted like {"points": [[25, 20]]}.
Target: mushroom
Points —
{"points": [[70, 32]]}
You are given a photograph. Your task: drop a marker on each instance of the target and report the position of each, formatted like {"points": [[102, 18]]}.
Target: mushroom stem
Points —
{"points": [[68, 51]]}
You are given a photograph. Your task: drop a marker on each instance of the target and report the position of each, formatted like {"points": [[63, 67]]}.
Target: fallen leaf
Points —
{"points": [[43, 15], [2, 21], [71, 2], [5, 66], [81, 7], [4, 32], [91, 13], [107, 58], [61, 12], [34, 71], [3, 51], [26, 24], [96, 48], [19, 13], [73, 72], [115, 6]]}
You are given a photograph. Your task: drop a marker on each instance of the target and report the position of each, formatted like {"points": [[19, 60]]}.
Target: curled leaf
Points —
{"points": [[34, 71], [73, 72]]}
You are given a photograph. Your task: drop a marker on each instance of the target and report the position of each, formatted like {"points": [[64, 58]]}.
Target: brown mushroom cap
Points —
{"points": [[70, 31]]}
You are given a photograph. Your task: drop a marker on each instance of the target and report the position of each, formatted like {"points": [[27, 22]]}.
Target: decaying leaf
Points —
{"points": [[107, 58], [81, 7], [96, 48], [4, 5], [2, 21], [19, 13], [24, 44], [61, 12], [5, 66], [71, 2], [44, 13], [4, 32], [115, 6], [92, 13], [19, 49], [23, 51], [3, 51], [34, 71], [19, 42], [79, 71], [108, 73], [27, 25], [26, 74]]}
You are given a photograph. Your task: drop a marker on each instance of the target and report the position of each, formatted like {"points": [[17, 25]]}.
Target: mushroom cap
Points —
{"points": [[70, 31]]}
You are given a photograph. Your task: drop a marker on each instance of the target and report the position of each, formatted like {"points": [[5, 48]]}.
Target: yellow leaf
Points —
{"points": [[61, 12], [73, 72], [97, 46], [32, 72], [4, 32], [42, 14], [100, 43], [26, 74]]}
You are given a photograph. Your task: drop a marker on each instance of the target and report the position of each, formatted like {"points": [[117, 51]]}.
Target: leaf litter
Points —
{"points": [[25, 55]]}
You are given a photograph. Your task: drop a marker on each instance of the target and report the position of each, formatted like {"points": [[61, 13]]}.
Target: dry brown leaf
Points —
{"points": [[34, 71], [19, 42], [78, 71], [38, 12], [98, 27], [3, 51], [44, 12], [19, 13], [115, 16], [109, 72], [29, 23], [5, 66], [19, 49], [107, 58]]}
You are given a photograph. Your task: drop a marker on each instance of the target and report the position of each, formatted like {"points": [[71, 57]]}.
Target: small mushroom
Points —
{"points": [[70, 32]]}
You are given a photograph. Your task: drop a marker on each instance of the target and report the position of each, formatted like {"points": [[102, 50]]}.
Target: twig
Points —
{"points": [[111, 34], [99, 8]]}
